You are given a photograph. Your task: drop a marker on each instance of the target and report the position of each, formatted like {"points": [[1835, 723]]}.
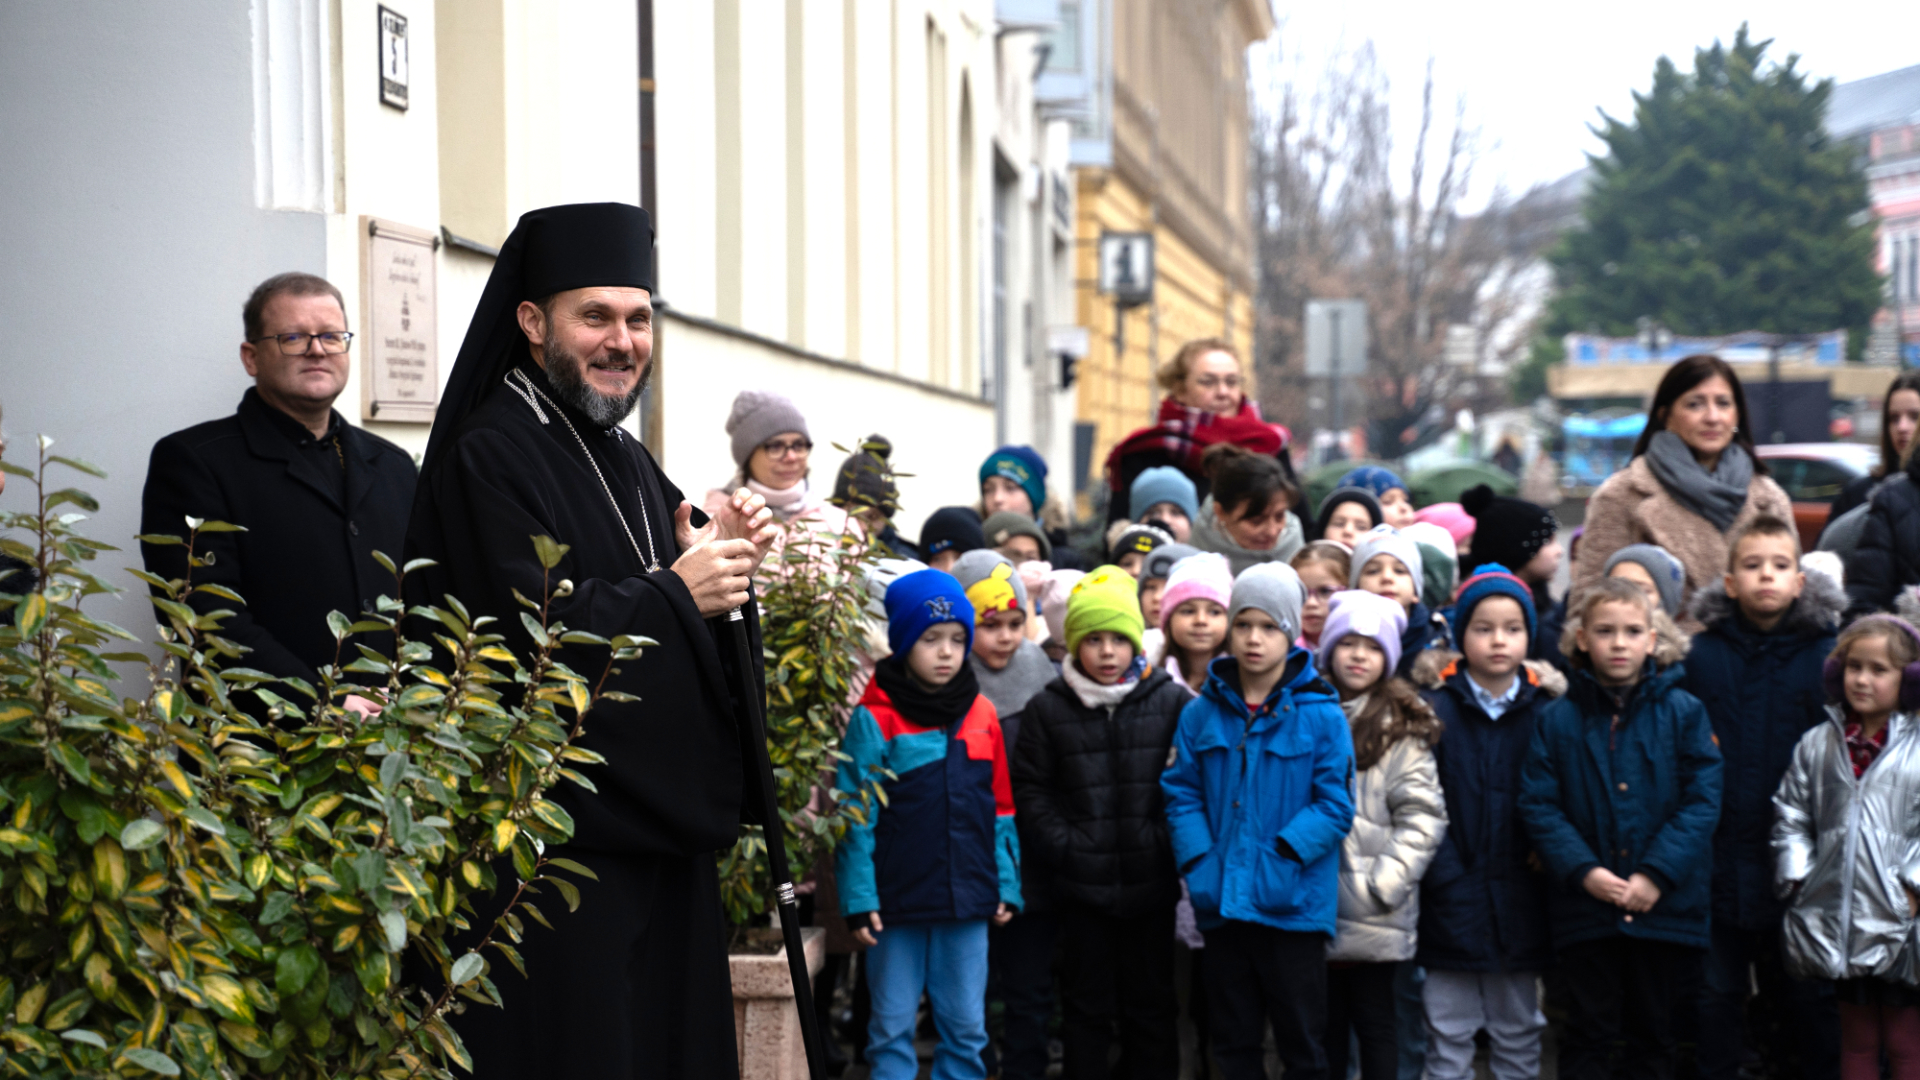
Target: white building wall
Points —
{"points": [[934, 432], [132, 235]]}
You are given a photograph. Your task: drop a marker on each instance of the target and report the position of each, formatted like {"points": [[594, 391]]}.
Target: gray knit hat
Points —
{"points": [[1386, 540], [759, 415], [998, 527], [977, 566], [1274, 588], [1669, 577]]}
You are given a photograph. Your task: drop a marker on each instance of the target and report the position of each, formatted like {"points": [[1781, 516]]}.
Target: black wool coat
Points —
{"points": [[304, 554], [1888, 558], [1086, 792], [676, 764]]}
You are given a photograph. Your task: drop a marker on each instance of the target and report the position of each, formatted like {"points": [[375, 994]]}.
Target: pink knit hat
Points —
{"points": [[1053, 602], [1196, 577], [1450, 516]]}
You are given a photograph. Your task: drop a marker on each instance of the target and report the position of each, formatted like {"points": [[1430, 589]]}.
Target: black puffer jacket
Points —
{"points": [[1888, 558], [1086, 791]]}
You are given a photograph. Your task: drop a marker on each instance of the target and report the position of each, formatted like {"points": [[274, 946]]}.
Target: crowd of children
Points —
{"points": [[1376, 793]]}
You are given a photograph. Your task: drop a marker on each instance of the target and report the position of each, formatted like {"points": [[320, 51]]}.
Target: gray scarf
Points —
{"points": [[1210, 535], [1717, 496]]}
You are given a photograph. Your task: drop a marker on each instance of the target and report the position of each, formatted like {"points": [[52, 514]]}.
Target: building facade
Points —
{"points": [[1160, 148], [1880, 115], [859, 203]]}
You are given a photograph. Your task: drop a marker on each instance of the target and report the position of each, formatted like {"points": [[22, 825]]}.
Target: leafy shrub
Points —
{"points": [[814, 622], [186, 890]]}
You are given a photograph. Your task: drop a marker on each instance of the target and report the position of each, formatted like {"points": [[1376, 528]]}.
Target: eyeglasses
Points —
{"points": [[334, 341], [796, 448]]}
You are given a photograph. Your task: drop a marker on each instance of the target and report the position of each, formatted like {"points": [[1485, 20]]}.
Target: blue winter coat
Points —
{"points": [[1762, 692], [1483, 906], [1240, 782], [1639, 797]]}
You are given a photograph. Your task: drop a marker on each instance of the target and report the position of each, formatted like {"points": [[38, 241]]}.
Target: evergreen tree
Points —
{"points": [[1724, 206]]}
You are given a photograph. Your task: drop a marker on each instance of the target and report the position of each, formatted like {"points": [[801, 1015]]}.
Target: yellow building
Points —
{"points": [[1160, 149]]}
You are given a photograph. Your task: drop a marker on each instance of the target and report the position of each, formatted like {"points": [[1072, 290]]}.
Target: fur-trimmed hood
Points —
{"points": [[1670, 646], [1817, 611], [1433, 666]]}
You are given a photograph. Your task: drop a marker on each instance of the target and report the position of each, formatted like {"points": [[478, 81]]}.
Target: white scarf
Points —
{"points": [[786, 503], [1092, 694]]}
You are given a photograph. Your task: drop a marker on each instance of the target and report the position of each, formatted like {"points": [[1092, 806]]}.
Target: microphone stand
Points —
{"points": [[775, 833]]}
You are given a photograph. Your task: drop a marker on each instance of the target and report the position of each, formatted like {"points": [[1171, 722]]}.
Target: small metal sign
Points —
{"points": [[398, 295], [1336, 338], [393, 58], [1126, 266]]}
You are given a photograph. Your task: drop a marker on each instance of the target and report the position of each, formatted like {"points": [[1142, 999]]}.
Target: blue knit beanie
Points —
{"points": [[1024, 466], [1372, 478], [1488, 580], [924, 599], [1163, 484]]}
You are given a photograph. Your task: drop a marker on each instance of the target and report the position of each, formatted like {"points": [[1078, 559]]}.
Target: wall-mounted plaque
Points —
{"points": [[397, 295], [393, 58]]}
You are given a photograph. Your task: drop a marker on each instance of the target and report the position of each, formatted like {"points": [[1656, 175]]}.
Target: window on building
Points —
{"points": [[1913, 268], [1064, 43]]}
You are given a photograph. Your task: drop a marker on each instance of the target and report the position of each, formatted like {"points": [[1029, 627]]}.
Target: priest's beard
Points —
{"points": [[567, 374]]}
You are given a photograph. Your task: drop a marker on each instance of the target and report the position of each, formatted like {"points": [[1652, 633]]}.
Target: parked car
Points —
{"points": [[1813, 474]]}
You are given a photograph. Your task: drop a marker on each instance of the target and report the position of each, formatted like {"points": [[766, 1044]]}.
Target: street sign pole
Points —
{"points": [[1333, 361]]}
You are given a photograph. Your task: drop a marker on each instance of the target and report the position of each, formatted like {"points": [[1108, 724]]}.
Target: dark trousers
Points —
{"points": [[1797, 1019], [1622, 990], [1360, 1004], [1020, 974], [1118, 972], [634, 984], [1257, 975]]}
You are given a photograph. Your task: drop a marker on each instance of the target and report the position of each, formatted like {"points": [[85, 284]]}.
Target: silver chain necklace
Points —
{"points": [[528, 392]]}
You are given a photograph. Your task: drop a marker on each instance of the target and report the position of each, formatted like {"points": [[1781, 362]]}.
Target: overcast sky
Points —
{"points": [[1533, 74]]}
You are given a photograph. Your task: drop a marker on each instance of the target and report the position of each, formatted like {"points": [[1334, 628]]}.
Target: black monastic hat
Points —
{"points": [[552, 249]]}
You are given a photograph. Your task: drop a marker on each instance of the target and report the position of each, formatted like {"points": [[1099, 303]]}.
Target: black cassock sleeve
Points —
{"points": [[673, 779]]}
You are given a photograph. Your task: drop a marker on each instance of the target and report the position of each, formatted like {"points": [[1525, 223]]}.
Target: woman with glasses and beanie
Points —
{"points": [[772, 448]]}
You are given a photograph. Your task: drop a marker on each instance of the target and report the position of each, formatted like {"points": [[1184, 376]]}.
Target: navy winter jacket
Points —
{"points": [[1482, 906], [1241, 782], [1762, 692], [1426, 629], [1635, 791]]}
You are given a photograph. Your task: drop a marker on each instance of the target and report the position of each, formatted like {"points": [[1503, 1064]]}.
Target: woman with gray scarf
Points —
{"points": [[1694, 478]]}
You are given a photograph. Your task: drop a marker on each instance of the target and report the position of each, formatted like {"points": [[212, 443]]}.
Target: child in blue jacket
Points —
{"points": [[1621, 792], [926, 871], [1258, 801]]}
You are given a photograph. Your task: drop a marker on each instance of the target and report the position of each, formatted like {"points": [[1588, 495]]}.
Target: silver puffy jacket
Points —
{"points": [[1399, 819], [1847, 851]]}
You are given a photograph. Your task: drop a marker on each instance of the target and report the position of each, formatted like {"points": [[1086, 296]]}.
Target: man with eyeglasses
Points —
{"points": [[316, 495]]}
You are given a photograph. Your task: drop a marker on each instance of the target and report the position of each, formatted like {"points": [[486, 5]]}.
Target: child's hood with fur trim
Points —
{"points": [[1434, 665], [1670, 645], [1817, 612]]}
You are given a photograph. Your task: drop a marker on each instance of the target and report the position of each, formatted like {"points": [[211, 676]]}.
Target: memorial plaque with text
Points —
{"points": [[398, 293]]}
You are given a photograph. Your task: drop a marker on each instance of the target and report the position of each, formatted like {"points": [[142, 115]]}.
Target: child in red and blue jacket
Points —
{"points": [[926, 871]]}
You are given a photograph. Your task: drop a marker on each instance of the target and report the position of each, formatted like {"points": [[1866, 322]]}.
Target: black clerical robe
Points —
{"points": [[674, 778], [635, 983]]}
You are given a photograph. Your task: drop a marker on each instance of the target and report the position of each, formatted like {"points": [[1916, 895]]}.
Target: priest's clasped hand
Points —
{"points": [[717, 561]]}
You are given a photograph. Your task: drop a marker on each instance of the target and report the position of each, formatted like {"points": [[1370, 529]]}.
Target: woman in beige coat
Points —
{"points": [[1694, 478]]}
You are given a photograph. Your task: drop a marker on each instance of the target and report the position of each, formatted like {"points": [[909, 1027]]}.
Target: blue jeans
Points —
{"points": [[948, 961]]}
